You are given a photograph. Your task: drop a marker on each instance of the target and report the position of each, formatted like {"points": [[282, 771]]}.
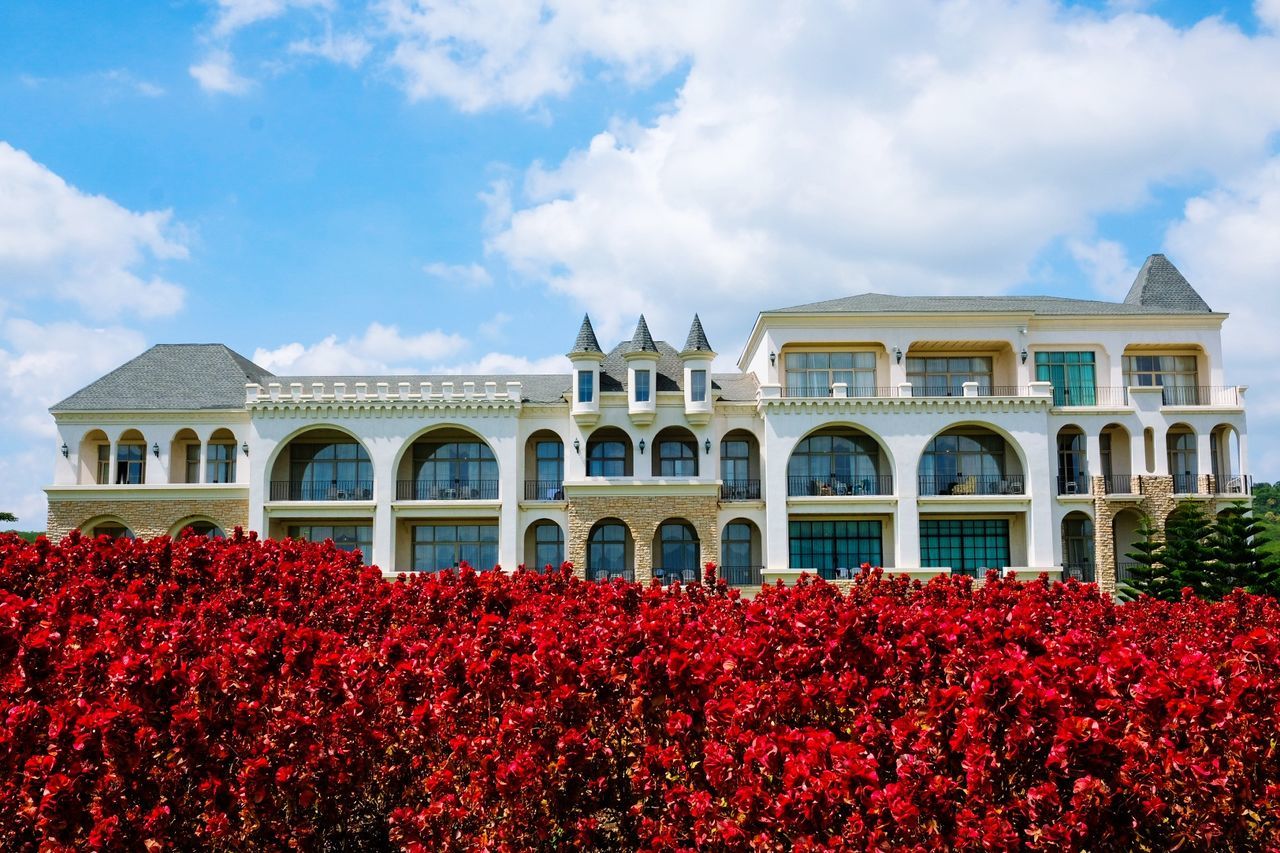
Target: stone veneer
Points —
{"points": [[145, 517], [642, 514]]}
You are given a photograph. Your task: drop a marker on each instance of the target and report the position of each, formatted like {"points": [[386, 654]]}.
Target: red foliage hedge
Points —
{"points": [[255, 695]]}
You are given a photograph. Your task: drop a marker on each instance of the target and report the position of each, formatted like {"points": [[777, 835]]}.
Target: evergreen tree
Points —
{"points": [[1187, 554], [8, 516], [1148, 576], [1239, 560]]}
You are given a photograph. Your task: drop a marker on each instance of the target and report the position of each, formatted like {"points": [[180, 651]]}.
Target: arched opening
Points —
{"points": [[839, 460], [94, 460], [109, 526], [1073, 465], [675, 453], [741, 553], [220, 462], [448, 464], [609, 453], [1117, 456], [184, 457], [676, 552], [970, 460], [1077, 547], [322, 464], [1184, 463], [739, 466], [198, 527], [544, 545], [544, 464], [610, 551], [1124, 533], [1228, 468], [131, 458]]}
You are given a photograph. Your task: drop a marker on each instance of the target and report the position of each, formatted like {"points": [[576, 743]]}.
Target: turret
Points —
{"points": [[697, 356], [642, 375], [586, 357]]}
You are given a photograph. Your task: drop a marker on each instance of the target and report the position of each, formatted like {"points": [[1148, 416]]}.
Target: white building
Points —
{"points": [[917, 433]]}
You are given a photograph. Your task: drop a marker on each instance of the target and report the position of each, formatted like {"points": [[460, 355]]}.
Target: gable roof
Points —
{"points": [[1160, 285], [170, 377]]}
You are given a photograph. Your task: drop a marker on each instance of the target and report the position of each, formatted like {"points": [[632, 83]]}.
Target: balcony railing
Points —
{"points": [[684, 576], [829, 391], [1084, 395], [1201, 395], [1185, 484], [1235, 484], [446, 490], [984, 390], [543, 490], [1080, 571], [740, 490], [1124, 571], [1121, 484], [617, 575], [742, 575], [334, 490], [1077, 485], [840, 485], [961, 484]]}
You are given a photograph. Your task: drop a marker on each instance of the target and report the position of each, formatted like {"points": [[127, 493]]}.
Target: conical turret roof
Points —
{"points": [[1160, 285], [586, 341], [697, 340], [642, 341]]}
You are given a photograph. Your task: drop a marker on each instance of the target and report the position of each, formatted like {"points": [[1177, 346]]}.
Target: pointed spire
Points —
{"points": [[586, 341], [642, 341], [697, 340], [1160, 285]]}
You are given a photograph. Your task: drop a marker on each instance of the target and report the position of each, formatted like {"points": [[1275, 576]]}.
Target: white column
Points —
{"points": [[112, 462], [510, 488], [774, 453], [382, 454], [1093, 454], [1204, 456], [202, 476]]}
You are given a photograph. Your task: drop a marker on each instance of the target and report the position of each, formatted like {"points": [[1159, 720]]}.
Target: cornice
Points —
{"points": [[148, 492], [382, 409], [798, 405]]}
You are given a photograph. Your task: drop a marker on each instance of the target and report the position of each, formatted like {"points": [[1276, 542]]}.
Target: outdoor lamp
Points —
{"points": [[577, 446], [66, 451], [245, 447], [706, 446], [1024, 356], [897, 354], [773, 359], [155, 450], [642, 447]]}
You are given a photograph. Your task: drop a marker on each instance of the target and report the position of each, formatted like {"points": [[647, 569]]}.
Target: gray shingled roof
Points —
{"points": [[177, 377], [534, 387], [642, 341], [724, 386], [586, 341], [697, 340], [1160, 285]]}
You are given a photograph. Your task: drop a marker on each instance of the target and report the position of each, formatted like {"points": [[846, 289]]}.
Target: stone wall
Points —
{"points": [[1156, 503], [642, 514], [145, 517]]}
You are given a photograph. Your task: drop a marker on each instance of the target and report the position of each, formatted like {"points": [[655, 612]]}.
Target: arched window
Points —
{"points": [[1073, 468], [835, 463], [326, 469], [607, 458], [1183, 461], [113, 529], [548, 545], [678, 552], [1077, 547], [738, 564], [607, 551], [677, 459], [454, 470], [966, 463], [204, 528]]}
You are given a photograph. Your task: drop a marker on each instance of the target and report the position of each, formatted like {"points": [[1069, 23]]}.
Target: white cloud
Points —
{"points": [[216, 74], [55, 239], [381, 349], [342, 49], [501, 362], [1268, 13], [467, 275], [234, 15], [1106, 264]]}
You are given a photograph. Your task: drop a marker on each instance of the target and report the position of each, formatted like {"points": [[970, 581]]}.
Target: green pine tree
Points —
{"points": [[1148, 576], [1187, 554], [8, 516], [1239, 559]]}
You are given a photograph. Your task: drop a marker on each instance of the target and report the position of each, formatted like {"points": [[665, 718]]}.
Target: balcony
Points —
{"points": [[334, 490], [1124, 572], [740, 490], [1077, 485], [969, 485], [628, 575], [544, 490], [1082, 572], [446, 490], [1203, 395], [840, 486], [742, 575], [1234, 484], [1103, 396], [841, 391], [1185, 484], [1121, 484], [984, 390]]}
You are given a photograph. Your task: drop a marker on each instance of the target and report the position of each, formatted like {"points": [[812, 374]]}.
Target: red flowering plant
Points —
{"points": [[247, 694]]}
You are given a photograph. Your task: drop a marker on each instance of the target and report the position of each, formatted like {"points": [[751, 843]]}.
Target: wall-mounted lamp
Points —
{"points": [[706, 446], [66, 451], [642, 447], [1024, 356], [155, 450], [245, 447], [577, 447], [897, 354], [773, 359]]}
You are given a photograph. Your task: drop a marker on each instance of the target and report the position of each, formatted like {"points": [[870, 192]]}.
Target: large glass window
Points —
{"points": [[1183, 462], [221, 466], [642, 385], [811, 374], [835, 464], [347, 537], [677, 459], [1077, 547], [1073, 468], [446, 546], [548, 545], [113, 530], [967, 545], [735, 549], [1072, 375], [944, 376], [607, 552], [586, 385], [1177, 374], [607, 459], [193, 463], [104, 464], [962, 463], [549, 457], [835, 548], [679, 552], [131, 463], [455, 470], [698, 386], [331, 470]]}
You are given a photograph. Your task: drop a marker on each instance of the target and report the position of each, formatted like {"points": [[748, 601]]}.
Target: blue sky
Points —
{"points": [[400, 185]]}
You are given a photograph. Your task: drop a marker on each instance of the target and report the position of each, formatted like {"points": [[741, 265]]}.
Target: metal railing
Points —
{"points": [[962, 484], [742, 575], [334, 490], [1235, 484], [840, 485], [446, 490], [1185, 484], [853, 391], [1121, 484], [1077, 485], [1080, 571], [544, 490], [740, 490], [617, 575], [1124, 571], [983, 391], [1199, 395], [684, 576], [1084, 395]]}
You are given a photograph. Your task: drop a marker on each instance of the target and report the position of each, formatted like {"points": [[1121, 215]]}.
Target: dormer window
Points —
{"points": [[586, 386], [642, 386]]}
